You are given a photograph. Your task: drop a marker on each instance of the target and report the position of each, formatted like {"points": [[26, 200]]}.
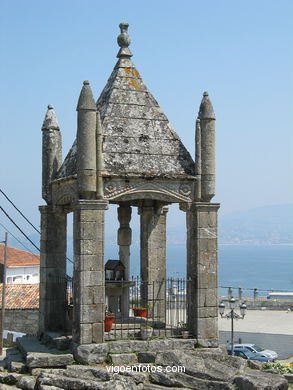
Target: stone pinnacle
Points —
{"points": [[206, 110], [124, 41], [86, 99], [50, 120]]}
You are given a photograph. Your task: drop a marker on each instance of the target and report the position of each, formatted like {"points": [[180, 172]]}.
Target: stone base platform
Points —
{"points": [[51, 351], [204, 368], [38, 354], [129, 349]]}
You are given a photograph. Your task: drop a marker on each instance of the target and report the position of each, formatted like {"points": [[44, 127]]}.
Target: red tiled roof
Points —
{"points": [[18, 257], [21, 296]]}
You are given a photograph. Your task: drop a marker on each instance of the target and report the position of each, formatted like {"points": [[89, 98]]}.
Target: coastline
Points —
{"points": [[253, 244]]}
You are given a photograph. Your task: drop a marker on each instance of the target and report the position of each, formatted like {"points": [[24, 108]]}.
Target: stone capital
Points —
{"points": [[50, 209], [164, 210], [91, 204], [45, 209], [199, 206], [124, 214]]}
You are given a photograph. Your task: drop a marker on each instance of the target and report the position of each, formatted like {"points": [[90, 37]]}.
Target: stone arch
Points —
{"points": [[149, 194]]}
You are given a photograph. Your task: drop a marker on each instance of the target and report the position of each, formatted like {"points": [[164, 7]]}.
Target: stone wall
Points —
{"points": [[262, 303], [269, 304], [23, 321]]}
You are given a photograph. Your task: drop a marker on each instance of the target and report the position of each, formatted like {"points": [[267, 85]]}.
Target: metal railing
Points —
{"points": [[160, 306], [255, 293]]}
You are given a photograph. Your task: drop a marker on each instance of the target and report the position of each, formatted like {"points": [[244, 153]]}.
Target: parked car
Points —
{"points": [[258, 350], [247, 354]]}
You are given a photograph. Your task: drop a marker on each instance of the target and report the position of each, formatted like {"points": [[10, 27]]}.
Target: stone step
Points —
{"points": [[152, 386], [15, 361], [98, 377], [289, 377], [49, 387], [98, 353], [37, 354], [56, 340], [128, 346], [146, 357], [9, 378], [123, 358]]}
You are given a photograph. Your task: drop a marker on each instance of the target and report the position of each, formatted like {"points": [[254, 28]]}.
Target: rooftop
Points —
{"points": [[137, 136], [17, 257], [21, 296]]}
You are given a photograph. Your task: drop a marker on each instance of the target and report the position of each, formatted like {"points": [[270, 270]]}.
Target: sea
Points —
{"points": [[265, 267]]}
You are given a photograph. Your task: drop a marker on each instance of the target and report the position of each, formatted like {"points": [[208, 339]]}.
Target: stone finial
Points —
{"points": [[124, 41], [100, 162], [51, 152], [86, 143], [206, 110], [207, 148], [50, 120], [86, 100], [197, 148]]}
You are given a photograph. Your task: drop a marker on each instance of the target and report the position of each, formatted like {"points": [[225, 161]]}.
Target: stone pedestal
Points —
{"points": [[124, 242], [53, 305], [89, 274], [202, 270], [153, 258]]}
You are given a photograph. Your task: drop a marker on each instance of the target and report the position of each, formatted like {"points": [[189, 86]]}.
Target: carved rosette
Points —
{"points": [[185, 189]]}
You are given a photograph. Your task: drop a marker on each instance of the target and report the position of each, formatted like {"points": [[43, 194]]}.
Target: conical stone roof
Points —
{"points": [[137, 137]]}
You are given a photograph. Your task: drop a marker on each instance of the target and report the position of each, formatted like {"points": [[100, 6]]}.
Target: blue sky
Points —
{"points": [[239, 51]]}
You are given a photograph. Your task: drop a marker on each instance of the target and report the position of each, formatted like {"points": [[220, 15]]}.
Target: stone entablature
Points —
{"points": [[117, 189]]}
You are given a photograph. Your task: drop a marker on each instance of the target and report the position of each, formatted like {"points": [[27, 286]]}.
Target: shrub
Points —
{"points": [[281, 368]]}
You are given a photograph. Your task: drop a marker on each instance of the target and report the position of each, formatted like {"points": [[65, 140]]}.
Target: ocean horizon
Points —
{"points": [[265, 267]]}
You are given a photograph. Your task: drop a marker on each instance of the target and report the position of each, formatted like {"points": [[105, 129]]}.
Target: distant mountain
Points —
{"points": [[262, 225]]}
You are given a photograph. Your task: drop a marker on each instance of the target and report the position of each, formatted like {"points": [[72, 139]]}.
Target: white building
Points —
{"points": [[22, 267]]}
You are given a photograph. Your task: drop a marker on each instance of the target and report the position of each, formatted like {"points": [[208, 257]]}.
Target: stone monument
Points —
{"points": [[126, 153]]}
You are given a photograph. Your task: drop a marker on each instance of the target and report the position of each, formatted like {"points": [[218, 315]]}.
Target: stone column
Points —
{"points": [[124, 242], [89, 274], [153, 257], [53, 305], [202, 270]]}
